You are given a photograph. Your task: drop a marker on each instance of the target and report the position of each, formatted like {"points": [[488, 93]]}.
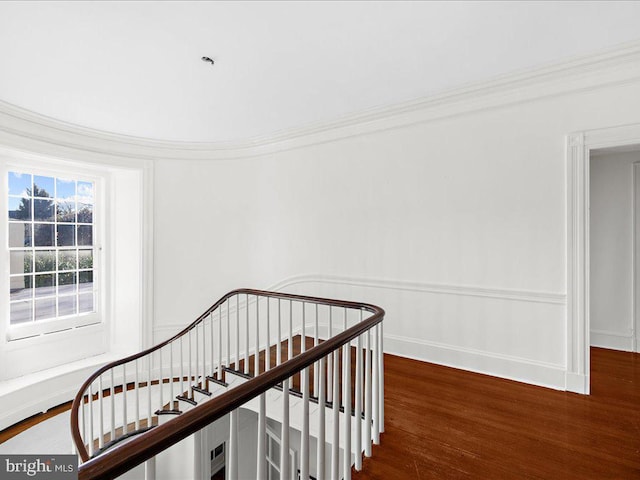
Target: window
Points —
{"points": [[64, 295], [52, 265]]}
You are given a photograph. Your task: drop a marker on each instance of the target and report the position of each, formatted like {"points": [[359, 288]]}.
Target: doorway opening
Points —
{"points": [[581, 148], [613, 253], [218, 462]]}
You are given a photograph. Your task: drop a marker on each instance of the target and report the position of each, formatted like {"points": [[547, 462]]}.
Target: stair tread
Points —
{"points": [[215, 380], [202, 391], [168, 412], [186, 399]]}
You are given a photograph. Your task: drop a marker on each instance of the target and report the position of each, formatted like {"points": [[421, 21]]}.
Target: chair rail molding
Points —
{"points": [[579, 146], [437, 288]]}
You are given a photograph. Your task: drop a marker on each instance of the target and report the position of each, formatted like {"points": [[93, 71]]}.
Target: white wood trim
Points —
{"points": [[576, 383], [616, 65], [635, 284], [437, 288], [577, 299], [503, 366], [612, 340], [579, 147], [147, 266]]}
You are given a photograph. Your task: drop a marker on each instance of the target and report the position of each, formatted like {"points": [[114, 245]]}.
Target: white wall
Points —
{"points": [[455, 226], [611, 249], [127, 253]]}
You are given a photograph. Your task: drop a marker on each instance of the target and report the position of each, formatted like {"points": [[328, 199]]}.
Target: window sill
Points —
{"points": [[37, 392], [46, 327]]}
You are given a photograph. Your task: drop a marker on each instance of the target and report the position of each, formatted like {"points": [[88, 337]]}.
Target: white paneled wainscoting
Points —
{"points": [[500, 332]]}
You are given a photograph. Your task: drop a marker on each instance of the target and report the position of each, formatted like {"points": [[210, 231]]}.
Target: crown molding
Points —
{"points": [[618, 65]]}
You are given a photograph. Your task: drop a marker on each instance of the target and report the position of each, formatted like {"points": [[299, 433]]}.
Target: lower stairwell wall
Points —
{"points": [[179, 460], [295, 437]]}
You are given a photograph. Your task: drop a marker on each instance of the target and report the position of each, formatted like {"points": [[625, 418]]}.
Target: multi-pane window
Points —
{"points": [[51, 247]]}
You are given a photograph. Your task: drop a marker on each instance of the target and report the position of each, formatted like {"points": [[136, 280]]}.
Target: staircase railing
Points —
{"points": [[337, 363]]}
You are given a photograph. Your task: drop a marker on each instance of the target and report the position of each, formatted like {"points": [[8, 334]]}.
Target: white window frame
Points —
{"points": [[78, 172]]}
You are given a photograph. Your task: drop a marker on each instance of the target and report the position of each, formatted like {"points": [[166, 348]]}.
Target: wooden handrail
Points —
{"points": [[125, 457]]}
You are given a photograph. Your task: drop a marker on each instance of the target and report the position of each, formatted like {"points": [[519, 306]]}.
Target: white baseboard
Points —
{"points": [[512, 368], [612, 340], [577, 383]]}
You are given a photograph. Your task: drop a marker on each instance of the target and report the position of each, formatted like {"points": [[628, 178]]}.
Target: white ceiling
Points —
{"points": [[134, 68]]}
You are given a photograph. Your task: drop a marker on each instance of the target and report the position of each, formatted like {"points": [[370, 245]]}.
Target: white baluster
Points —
{"points": [[219, 342], [196, 371], [112, 401], [181, 367], [125, 426], [376, 388], [330, 357], [137, 394], [101, 413], [279, 346], [149, 410], [246, 339], [83, 416], [91, 437], [150, 469], [212, 341], [381, 369], [267, 351], [316, 364], [304, 439], [368, 394], [190, 370], [261, 470], [358, 404], [335, 447], [290, 344], [256, 357], [303, 339], [171, 394], [228, 304], [285, 473], [322, 407], [204, 351], [233, 445], [237, 364], [344, 324], [160, 378], [346, 401]]}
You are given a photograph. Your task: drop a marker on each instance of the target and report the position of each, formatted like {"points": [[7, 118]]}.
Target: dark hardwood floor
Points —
{"points": [[443, 423], [27, 423]]}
